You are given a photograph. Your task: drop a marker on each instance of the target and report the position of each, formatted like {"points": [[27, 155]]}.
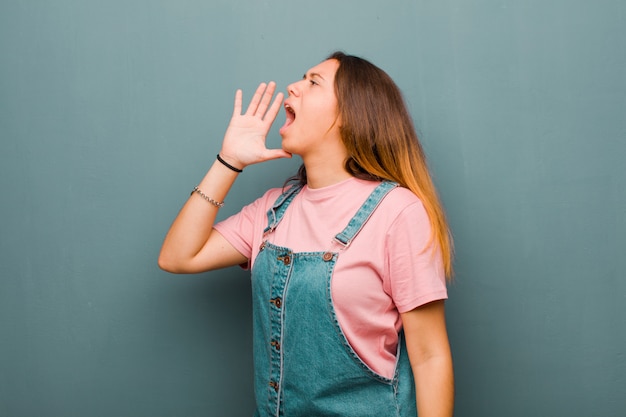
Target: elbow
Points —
{"points": [[167, 264], [164, 264]]}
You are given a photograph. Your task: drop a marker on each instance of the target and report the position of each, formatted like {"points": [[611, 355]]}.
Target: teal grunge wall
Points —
{"points": [[111, 111]]}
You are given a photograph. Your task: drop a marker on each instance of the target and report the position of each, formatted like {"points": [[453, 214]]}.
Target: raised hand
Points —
{"points": [[244, 141]]}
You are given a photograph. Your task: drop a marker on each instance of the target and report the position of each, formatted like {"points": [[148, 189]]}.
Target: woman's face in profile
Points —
{"points": [[311, 110]]}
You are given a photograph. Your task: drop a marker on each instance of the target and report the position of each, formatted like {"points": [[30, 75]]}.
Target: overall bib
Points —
{"points": [[304, 365]]}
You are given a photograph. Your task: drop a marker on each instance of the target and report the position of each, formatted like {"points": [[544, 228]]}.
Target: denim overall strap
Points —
{"points": [[276, 212], [364, 213]]}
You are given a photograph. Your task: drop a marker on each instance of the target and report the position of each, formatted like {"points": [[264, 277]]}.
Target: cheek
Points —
{"points": [[327, 113]]}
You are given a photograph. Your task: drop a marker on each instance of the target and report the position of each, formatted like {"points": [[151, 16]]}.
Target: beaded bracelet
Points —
{"points": [[207, 198]]}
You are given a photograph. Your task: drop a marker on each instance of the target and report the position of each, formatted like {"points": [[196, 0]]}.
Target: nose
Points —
{"points": [[293, 89]]}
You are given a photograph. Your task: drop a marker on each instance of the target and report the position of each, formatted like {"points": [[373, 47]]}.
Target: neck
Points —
{"points": [[324, 170]]}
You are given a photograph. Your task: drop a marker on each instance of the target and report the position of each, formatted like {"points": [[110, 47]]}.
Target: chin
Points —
{"points": [[285, 145]]}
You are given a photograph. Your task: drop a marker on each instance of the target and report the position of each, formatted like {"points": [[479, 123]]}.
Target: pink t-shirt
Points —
{"points": [[386, 270]]}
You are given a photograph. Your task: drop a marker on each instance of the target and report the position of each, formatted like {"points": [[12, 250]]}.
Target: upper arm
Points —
{"points": [[216, 253], [431, 360], [425, 332]]}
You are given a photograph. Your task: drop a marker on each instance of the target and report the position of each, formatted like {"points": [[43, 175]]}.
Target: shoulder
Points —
{"points": [[401, 202], [403, 196], [402, 213]]}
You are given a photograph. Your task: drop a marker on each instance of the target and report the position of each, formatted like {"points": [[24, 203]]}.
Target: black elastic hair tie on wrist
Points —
{"points": [[227, 165]]}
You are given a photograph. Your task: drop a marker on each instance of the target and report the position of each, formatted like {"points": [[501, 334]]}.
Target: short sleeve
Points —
{"points": [[415, 270]]}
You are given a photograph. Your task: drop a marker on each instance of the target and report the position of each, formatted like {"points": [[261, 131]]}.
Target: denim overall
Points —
{"points": [[304, 365]]}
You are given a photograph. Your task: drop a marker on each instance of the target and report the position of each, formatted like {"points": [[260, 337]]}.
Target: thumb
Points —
{"points": [[276, 154]]}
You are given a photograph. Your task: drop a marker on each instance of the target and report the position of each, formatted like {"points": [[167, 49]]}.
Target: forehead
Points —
{"points": [[325, 69]]}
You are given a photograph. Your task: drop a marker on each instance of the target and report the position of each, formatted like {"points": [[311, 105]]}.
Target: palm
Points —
{"points": [[244, 142]]}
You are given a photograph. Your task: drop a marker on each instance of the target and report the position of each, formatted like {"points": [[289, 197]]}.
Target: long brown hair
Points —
{"points": [[381, 141]]}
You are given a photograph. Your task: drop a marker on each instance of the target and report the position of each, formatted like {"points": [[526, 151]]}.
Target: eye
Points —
{"points": [[313, 82]]}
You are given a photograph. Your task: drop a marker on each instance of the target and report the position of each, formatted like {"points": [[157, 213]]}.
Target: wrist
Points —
{"points": [[228, 165]]}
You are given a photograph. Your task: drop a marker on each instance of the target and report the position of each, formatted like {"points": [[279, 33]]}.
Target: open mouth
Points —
{"points": [[290, 116]]}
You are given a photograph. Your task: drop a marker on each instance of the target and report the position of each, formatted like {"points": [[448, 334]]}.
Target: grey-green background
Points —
{"points": [[111, 111]]}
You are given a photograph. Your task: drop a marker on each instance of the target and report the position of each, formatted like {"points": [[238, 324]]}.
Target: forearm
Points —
{"points": [[190, 244], [434, 386], [193, 225]]}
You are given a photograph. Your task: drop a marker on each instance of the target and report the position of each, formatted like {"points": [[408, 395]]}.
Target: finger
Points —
{"points": [[265, 100], [256, 99], [271, 114], [237, 106]]}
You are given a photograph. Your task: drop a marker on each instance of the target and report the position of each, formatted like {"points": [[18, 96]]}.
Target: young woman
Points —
{"points": [[349, 260]]}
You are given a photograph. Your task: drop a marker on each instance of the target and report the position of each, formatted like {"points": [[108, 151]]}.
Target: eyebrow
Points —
{"points": [[313, 74]]}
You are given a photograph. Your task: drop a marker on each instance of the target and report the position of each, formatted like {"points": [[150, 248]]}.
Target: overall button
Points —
{"points": [[327, 256], [262, 246], [286, 259], [277, 302], [275, 344]]}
